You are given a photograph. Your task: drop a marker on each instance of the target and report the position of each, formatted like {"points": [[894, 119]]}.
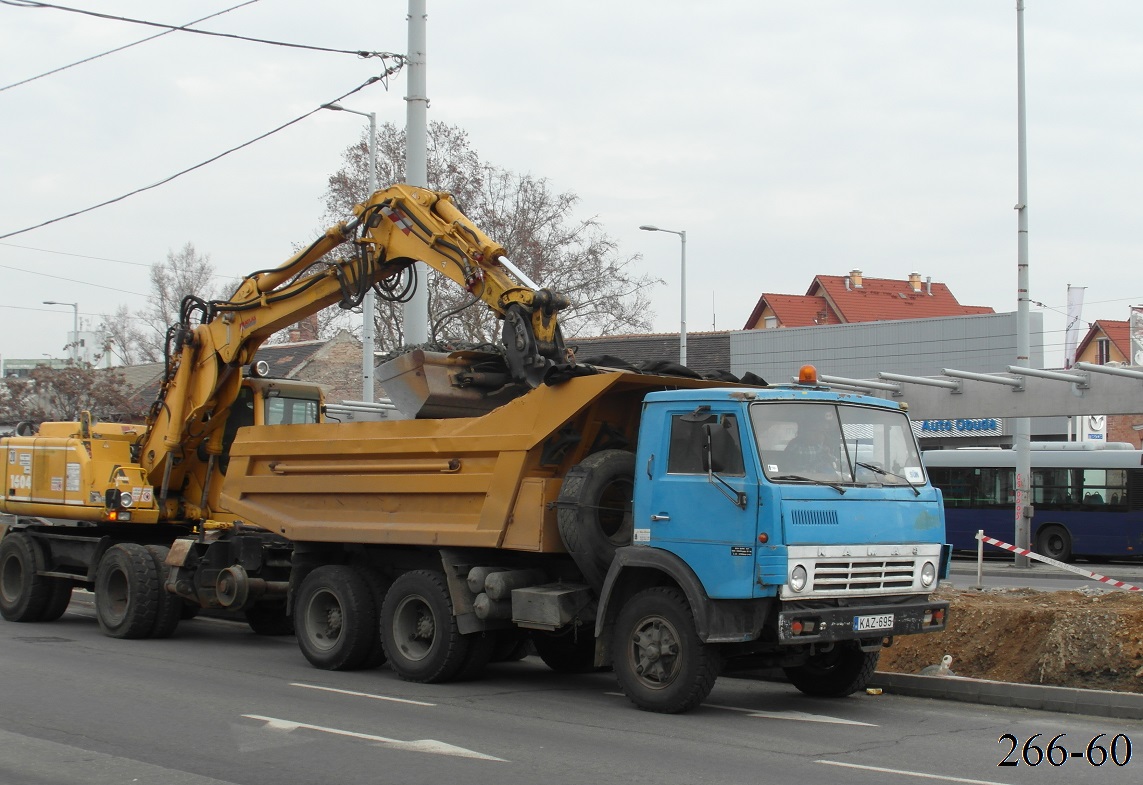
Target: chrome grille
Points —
{"points": [[864, 575]]}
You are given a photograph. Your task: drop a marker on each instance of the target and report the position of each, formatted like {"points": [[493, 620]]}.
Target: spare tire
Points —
{"points": [[595, 510]]}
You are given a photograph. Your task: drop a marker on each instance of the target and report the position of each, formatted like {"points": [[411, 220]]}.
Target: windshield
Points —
{"points": [[282, 410], [836, 443]]}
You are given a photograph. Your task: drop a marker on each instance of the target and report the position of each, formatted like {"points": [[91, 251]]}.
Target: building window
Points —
{"points": [[1102, 351], [771, 322]]}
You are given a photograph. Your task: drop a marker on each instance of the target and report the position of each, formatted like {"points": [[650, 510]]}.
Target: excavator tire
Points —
{"points": [[170, 606], [595, 510], [59, 599], [24, 595], [127, 591]]}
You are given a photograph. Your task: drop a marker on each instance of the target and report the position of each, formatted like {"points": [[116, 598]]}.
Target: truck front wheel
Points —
{"points": [[419, 631], [24, 595], [660, 662], [335, 618], [127, 591], [843, 670]]}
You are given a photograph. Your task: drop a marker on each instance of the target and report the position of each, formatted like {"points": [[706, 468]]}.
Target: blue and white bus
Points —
{"points": [[1088, 502]]}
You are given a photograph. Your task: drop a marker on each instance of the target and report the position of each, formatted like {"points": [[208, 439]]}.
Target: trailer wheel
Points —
{"points": [[269, 618], [24, 595], [660, 662], [59, 599], [566, 650], [170, 611], [1055, 542], [839, 672], [595, 510], [419, 630], [127, 591], [335, 618]]}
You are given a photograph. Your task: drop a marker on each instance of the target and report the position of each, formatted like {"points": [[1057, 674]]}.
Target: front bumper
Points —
{"points": [[828, 623]]}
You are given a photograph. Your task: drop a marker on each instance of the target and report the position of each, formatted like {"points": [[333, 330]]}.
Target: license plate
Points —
{"points": [[882, 622]]}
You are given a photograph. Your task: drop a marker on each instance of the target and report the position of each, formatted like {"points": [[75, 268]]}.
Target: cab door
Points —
{"points": [[708, 521]]}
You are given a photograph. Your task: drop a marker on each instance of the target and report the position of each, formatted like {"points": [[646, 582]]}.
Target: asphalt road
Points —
{"points": [[217, 704]]}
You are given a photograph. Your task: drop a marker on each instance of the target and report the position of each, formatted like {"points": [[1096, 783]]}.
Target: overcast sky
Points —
{"points": [[787, 138]]}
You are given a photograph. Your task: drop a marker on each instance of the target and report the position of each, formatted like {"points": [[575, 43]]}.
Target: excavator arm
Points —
{"points": [[394, 228]]}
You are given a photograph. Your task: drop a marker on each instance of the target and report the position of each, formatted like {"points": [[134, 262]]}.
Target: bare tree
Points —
{"points": [[122, 336], [184, 273], [525, 215]]}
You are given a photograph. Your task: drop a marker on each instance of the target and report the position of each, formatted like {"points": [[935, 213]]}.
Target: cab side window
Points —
{"points": [[689, 441]]}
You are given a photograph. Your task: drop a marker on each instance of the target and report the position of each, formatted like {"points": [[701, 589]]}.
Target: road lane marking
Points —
{"points": [[359, 694], [921, 774], [799, 716], [431, 746]]}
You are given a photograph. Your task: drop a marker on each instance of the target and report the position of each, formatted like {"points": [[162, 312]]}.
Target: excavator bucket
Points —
{"points": [[430, 385]]}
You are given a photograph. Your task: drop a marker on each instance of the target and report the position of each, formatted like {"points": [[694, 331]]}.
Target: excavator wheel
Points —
{"points": [[595, 510], [24, 595], [127, 591], [170, 606]]}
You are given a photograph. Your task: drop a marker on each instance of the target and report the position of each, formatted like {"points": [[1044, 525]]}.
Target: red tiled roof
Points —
{"points": [[1118, 332], [882, 299], [794, 310]]}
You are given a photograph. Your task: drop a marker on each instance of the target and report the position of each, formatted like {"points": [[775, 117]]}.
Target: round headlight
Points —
{"points": [[798, 578], [126, 499], [928, 574]]}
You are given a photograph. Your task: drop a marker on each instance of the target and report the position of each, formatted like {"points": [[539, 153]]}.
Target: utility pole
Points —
{"points": [[1022, 426], [416, 154]]}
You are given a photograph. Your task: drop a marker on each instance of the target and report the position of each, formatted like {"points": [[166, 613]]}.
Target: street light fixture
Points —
{"points": [[369, 303], [75, 327], [682, 285]]}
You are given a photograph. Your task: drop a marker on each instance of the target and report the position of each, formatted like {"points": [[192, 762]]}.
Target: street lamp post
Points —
{"points": [[682, 285], [75, 327], [369, 303]]}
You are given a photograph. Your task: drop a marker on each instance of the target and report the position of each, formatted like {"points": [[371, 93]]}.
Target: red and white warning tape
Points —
{"points": [[1095, 576]]}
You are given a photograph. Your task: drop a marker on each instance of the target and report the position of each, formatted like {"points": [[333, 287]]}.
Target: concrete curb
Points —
{"points": [[1101, 703]]}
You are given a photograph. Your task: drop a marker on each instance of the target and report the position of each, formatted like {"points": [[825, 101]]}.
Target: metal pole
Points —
{"points": [[683, 308], [369, 303], [1022, 426], [416, 154]]}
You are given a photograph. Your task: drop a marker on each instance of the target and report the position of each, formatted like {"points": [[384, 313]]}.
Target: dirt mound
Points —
{"points": [[1091, 638]]}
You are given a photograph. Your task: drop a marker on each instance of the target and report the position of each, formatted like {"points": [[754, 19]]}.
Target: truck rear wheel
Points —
{"points": [[59, 599], [335, 618], [843, 670], [595, 510], [170, 606], [127, 591], [660, 661], [24, 595], [567, 650], [419, 631]]}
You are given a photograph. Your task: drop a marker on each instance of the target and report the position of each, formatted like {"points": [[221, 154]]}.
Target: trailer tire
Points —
{"points": [[594, 506], [269, 619], [24, 595], [1055, 542], [570, 649], [660, 661], [419, 630], [58, 600], [127, 591], [170, 606], [835, 674], [335, 618]]}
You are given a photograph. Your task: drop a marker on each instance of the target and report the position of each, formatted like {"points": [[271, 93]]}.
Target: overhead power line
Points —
{"points": [[388, 72], [125, 46], [185, 29]]}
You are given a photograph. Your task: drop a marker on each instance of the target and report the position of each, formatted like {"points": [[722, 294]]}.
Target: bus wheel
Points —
{"points": [[1055, 542], [843, 670]]}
